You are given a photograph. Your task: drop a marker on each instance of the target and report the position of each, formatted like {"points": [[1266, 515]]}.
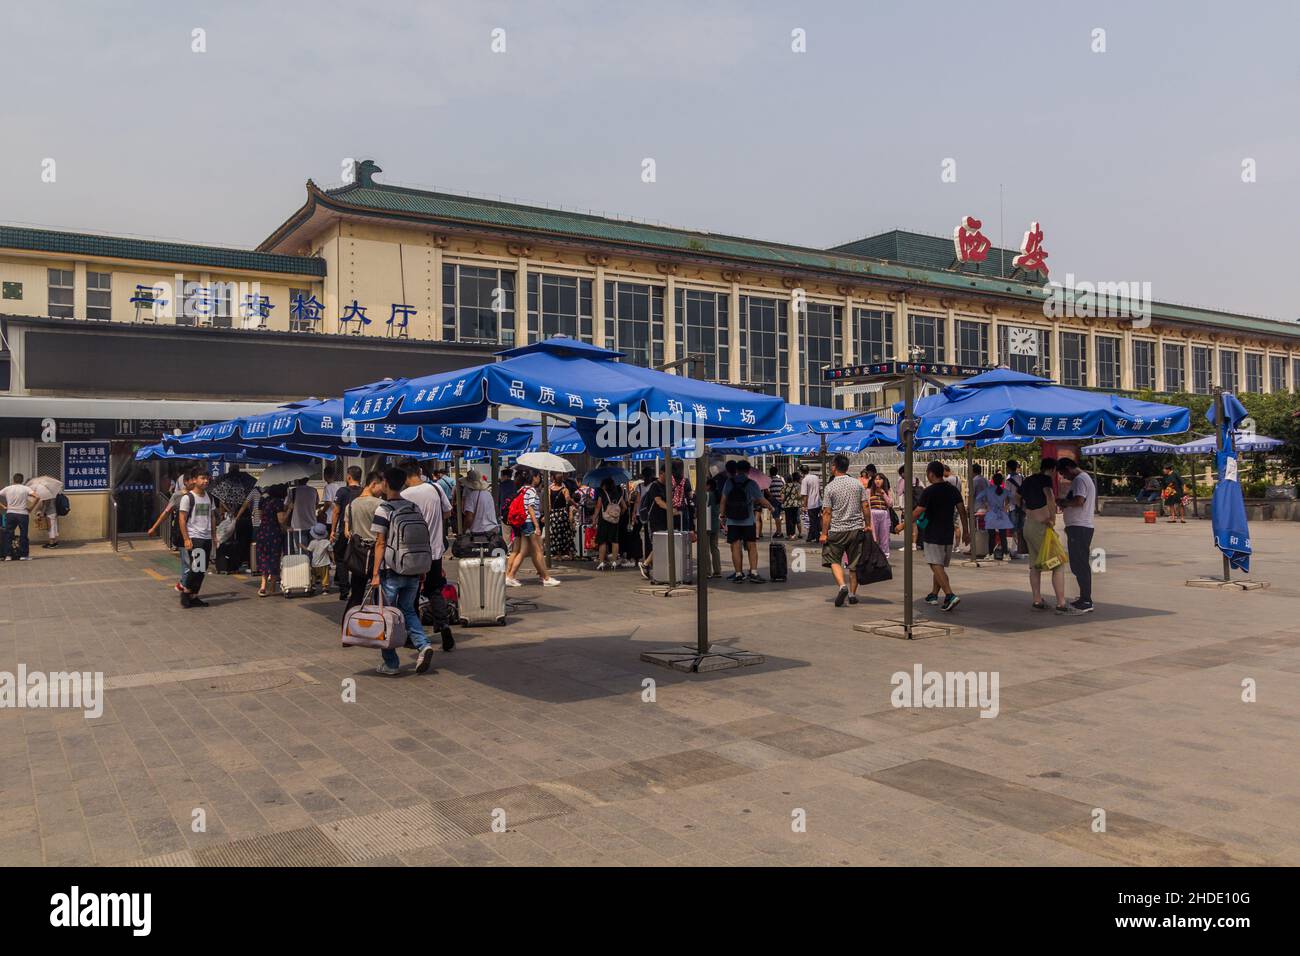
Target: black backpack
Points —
{"points": [[62, 506], [177, 540], [737, 503]]}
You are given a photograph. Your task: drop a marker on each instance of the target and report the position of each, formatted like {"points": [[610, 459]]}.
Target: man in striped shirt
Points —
{"points": [[774, 492]]}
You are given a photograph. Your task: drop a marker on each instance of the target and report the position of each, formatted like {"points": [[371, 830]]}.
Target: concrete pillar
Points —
{"points": [[733, 334], [79, 291]]}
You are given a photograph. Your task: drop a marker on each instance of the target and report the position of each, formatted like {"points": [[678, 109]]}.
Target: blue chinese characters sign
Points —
{"points": [[85, 465]]}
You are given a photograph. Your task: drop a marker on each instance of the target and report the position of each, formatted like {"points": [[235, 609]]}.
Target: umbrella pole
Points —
{"points": [[496, 478], [1219, 412], [908, 505], [970, 497], [546, 500], [701, 532], [456, 491], [668, 497]]}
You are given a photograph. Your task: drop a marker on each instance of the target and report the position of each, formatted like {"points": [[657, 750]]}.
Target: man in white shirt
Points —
{"points": [[195, 511], [434, 506], [16, 503], [1078, 506], [810, 489]]}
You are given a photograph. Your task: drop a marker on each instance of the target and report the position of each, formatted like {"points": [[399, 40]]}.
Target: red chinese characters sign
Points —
{"points": [[968, 242], [1032, 258]]}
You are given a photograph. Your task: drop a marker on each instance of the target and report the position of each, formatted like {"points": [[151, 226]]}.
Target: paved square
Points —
{"points": [[541, 743]]}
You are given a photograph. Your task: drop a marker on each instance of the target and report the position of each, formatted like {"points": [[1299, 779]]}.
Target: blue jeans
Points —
{"points": [[191, 579], [14, 538], [402, 591]]}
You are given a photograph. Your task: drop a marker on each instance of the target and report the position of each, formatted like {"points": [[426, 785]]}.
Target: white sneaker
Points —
{"points": [[604, 566], [551, 582], [387, 671], [513, 583]]}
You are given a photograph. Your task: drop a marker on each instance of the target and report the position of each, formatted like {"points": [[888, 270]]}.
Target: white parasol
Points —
{"points": [[45, 488], [544, 461]]}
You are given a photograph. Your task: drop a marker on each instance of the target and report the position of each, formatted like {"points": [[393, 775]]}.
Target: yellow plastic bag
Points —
{"points": [[1052, 554]]}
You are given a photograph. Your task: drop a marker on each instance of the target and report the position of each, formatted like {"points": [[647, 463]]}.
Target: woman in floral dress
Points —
{"points": [[270, 538]]}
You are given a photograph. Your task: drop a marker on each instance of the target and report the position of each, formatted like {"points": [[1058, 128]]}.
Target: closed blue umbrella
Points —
{"points": [[1231, 531]]}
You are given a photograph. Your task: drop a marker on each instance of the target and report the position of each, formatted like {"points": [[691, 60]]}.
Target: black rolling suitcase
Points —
{"points": [[776, 563]]}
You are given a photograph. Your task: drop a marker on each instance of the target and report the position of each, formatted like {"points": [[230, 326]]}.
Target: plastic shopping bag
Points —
{"points": [[1052, 554]]}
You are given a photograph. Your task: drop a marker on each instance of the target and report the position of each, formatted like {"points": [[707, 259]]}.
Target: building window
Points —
{"points": [[1074, 359], [559, 305], [1201, 370], [1144, 364], [61, 293], [1277, 373], [972, 343], [1295, 375], [478, 305], [1228, 370], [873, 335], [821, 330], [926, 332], [1254, 372], [99, 296], [1175, 368], [1109, 371], [764, 345], [702, 329], [634, 314], [1025, 349]]}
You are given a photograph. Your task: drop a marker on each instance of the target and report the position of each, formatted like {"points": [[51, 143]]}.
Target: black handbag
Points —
{"points": [[357, 558]]}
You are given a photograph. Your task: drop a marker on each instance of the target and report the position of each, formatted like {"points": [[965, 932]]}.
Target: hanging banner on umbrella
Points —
{"points": [[85, 466]]}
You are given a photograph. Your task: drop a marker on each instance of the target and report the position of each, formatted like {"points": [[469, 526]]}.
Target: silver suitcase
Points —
{"points": [[685, 561], [295, 569], [481, 583]]}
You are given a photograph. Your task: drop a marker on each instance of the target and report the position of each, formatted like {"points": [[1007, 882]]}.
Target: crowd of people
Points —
{"points": [[345, 533]]}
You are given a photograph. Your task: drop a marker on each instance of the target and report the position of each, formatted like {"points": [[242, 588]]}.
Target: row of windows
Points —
{"points": [[479, 307], [99, 293]]}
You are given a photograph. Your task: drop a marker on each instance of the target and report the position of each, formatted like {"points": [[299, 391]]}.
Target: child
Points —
{"points": [[322, 557]]}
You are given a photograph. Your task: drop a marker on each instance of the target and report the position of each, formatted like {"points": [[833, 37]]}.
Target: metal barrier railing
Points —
{"points": [[112, 519]]}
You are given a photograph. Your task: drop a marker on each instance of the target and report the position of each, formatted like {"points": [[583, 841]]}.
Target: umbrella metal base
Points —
{"points": [[921, 630], [687, 658], [1241, 584], [664, 590]]}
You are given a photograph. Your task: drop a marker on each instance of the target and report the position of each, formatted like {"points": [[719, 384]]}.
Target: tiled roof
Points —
{"points": [[114, 247], [915, 260], [933, 252]]}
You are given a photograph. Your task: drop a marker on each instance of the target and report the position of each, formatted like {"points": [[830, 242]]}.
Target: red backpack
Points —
{"points": [[517, 514]]}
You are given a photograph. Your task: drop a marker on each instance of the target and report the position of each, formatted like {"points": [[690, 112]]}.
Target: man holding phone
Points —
{"points": [[1078, 506]]}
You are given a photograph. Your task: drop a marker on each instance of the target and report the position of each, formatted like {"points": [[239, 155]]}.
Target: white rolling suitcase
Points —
{"points": [[481, 582], [295, 569], [685, 561]]}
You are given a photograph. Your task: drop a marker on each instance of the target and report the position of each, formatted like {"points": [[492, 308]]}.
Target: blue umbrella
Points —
{"points": [[1002, 402], [568, 378], [956, 444], [1231, 532], [1130, 446], [244, 454], [315, 425], [1207, 445], [597, 475]]}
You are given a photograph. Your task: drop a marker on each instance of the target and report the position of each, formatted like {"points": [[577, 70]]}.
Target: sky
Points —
{"points": [[1134, 158]]}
